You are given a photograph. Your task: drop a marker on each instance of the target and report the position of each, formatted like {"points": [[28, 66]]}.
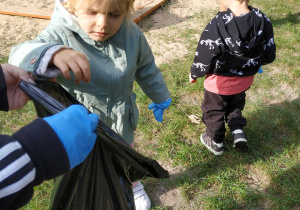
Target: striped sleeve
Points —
{"points": [[16, 169], [16, 172], [27, 158]]}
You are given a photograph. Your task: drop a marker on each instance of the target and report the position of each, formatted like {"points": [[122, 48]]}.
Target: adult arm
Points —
{"points": [[3, 92], [12, 97], [27, 158], [42, 150]]}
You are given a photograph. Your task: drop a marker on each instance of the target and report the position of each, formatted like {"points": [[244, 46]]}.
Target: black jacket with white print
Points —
{"points": [[235, 46]]}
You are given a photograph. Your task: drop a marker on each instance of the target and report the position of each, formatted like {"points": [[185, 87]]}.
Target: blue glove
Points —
{"points": [[158, 109], [260, 70], [75, 129]]}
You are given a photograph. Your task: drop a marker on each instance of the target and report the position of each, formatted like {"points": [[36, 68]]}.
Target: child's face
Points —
{"points": [[100, 25]]}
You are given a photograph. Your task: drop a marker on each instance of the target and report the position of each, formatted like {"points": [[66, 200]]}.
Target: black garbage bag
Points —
{"points": [[103, 180]]}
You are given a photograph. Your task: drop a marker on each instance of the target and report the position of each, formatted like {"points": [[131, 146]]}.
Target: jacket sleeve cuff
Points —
{"points": [[45, 149], [193, 76], [43, 70]]}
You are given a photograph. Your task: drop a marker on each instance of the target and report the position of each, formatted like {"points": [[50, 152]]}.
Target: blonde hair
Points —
{"points": [[104, 6]]}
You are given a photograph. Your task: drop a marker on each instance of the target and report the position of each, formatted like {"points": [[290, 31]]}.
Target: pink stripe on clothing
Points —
{"points": [[227, 85]]}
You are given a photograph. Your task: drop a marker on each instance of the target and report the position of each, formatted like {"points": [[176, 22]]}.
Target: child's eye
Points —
{"points": [[92, 13], [114, 15], [89, 12]]}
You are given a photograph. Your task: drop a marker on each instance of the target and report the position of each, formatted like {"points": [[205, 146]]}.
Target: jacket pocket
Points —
{"points": [[133, 111]]}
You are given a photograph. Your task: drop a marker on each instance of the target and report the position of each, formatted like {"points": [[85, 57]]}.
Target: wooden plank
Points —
{"points": [[25, 15], [144, 8], [34, 12]]}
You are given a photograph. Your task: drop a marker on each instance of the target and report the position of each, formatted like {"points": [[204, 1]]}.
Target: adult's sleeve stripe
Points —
{"points": [[14, 167], [9, 148], [17, 186]]}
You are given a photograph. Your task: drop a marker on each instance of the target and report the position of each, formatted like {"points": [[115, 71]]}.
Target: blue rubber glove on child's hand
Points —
{"points": [[158, 109], [75, 128]]}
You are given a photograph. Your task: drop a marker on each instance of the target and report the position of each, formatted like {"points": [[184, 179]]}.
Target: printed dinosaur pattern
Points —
{"points": [[251, 62], [211, 43], [200, 66], [218, 64], [235, 71], [270, 43], [229, 41], [227, 18]]}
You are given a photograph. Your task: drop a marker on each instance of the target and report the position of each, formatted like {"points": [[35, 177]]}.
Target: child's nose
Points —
{"points": [[102, 20]]}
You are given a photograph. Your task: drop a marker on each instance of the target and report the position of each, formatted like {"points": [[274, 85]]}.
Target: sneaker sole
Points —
{"points": [[241, 145], [239, 140], [210, 149]]}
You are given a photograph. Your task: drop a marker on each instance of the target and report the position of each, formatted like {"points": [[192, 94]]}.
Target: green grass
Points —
{"points": [[11, 121], [266, 177]]}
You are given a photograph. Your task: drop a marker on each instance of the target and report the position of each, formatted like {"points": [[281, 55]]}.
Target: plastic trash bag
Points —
{"points": [[103, 180]]}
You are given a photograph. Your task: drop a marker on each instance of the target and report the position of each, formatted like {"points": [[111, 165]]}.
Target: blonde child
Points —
{"points": [[230, 52], [91, 40]]}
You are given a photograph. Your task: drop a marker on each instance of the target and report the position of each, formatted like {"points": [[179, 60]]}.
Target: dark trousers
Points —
{"points": [[218, 109]]}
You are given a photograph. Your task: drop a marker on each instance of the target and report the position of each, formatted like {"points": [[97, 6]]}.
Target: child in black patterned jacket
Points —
{"points": [[230, 52]]}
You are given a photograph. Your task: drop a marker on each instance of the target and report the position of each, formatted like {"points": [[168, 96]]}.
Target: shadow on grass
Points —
{"points": [[223, 181], [284, 188], [290, 18]]}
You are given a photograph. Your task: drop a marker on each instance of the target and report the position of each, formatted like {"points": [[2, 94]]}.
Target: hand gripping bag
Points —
{"points": [[103, 180]]}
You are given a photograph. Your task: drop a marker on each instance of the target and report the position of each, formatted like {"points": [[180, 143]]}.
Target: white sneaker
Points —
{"points": [[141, 199]]}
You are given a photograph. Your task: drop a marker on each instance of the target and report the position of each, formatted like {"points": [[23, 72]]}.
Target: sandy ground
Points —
{"points": [[16, 29], [160, 28]]}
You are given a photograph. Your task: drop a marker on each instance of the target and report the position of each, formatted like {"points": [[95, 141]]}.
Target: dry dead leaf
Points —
{"points": [[194, 119]]}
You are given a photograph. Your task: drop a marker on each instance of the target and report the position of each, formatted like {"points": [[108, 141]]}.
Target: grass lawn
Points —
{"points": [[266, 177]]}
